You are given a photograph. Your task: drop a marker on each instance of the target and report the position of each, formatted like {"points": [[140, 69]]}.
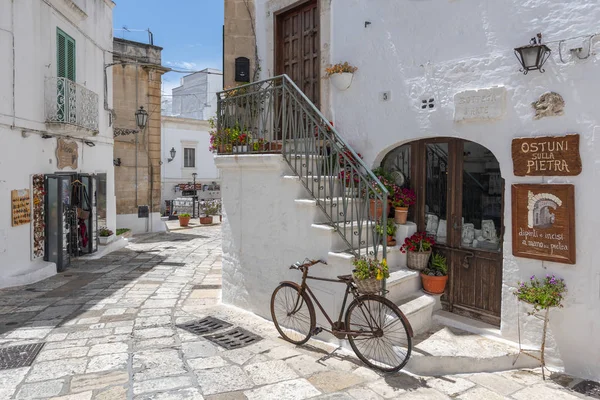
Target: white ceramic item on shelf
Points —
{"points": [[468, 233], [342, 80], [442, 228], [431, 223], [488, 229]]}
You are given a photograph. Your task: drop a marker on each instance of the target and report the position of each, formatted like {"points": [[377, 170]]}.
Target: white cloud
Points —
{"points": [[192, 66]]}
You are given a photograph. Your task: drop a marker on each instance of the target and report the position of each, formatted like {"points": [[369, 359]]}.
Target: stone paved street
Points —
{"points": [[109, 328]]}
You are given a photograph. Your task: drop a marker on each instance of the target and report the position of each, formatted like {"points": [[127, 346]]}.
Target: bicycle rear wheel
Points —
{"points": [[385, 343], [293, 313]]}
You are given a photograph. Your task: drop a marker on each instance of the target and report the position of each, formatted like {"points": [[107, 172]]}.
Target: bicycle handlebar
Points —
{"points": [[307, 263]]}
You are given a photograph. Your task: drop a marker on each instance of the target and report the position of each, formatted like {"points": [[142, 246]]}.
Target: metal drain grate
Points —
{"points": [[589, 388], [234, 339], [19, 356], [205, 325]]}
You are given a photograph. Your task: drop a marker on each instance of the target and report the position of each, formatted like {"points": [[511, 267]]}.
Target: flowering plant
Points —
{"points": [[349, 158], [366, 268], [258, 145], [325, 127], [403, 197], [340, 68], [104, 232], [542, 294], [417, 242], [348, 177]]}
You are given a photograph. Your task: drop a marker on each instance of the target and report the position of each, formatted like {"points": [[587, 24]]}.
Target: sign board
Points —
{"points": [[546, 156], [67, 154], [480, 105], [143, 212], [543, 222], [20, 207]]}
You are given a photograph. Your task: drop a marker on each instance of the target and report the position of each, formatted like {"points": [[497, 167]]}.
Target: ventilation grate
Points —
{"points": [[205, 325], [428, 103], [234, 339], [19, 356], [589, 388]]}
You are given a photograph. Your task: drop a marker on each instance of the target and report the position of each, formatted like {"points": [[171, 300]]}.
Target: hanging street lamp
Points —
{"points": [[141, 118], [533, 56]]}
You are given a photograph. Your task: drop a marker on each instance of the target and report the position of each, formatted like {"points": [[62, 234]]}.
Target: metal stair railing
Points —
{"points": [[274, 115]]}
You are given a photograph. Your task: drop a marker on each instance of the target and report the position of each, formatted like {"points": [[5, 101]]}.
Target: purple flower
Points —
{"points": [[532, 277]]}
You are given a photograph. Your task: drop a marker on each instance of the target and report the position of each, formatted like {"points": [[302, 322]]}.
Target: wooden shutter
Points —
{"points": [[65, 56]]}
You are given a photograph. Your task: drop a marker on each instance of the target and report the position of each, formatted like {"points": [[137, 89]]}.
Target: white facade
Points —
{"points": [[196, 97], [28, 54], [191, 140], [433, 50]]}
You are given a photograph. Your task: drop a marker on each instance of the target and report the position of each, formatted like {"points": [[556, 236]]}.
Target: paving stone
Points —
{"points": [[305, 365], [88, 334], [114, 311], [163, 384], [201, 348], [282, 353], [227, 396], [40, 389], [57, 354], [298, 389], [157, 364], [238, 356], [78, 396], [123, 330], [450, 385], [43, 371], [496, 383], [65, 344], [10, 379], [364, 394], [29, 333], [384, 390], [152, 321], [56, 337], [114, 393], [108, 348], [334, 396], [224, 379], [95, 381], [425, 394], [270, 372], [108, 339], [180, 394], [155, 343], [207, 363], [543, 392], [481, 393], [333, 381], [108, 362], [151, 333]]}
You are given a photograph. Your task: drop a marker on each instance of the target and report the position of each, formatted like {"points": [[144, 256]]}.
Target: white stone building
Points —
{"points": [[188, 140], [196, 96], [410, 108], [55, 134]]}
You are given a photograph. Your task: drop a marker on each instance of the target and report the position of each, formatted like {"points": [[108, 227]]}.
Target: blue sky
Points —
{"points": [[189, 31]]}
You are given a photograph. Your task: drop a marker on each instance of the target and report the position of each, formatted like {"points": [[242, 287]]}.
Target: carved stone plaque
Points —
{"points": [[67, 154], [478, 105], [546, 156], [543, 222]]}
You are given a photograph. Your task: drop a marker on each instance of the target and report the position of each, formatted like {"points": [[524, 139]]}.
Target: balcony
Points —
{"points": [[70, 107]]}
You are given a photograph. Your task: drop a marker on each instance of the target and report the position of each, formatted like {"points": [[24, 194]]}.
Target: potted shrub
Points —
{"points": [[209, 208], [241, 142], [184, 219], [434, 277], [375, 203], [418, 248], [368, 273], [105, 235], [341, 75], [402, 199], [389, 232], [348, 174]]}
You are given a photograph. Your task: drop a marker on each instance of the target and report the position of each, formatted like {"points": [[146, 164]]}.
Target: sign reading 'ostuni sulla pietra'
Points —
{"points": [[546, 156]]}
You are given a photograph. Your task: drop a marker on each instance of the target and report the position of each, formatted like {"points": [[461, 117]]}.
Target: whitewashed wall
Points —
{"points": [[32, 25], [196, 97], [425, 49]]}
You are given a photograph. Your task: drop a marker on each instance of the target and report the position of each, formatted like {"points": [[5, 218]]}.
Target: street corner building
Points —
{"points": [[56, 138], [487, 110]]}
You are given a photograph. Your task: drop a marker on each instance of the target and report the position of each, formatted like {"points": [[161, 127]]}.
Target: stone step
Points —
{"points": [[418, 309], [322, 187], [448, 351], [312, 164], [334, 207]]}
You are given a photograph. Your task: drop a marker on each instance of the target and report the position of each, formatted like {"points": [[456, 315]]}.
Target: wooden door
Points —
{"points": [[297, 49], [460, 202]]}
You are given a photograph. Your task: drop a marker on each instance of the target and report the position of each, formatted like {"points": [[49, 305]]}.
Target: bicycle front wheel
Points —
{"points": [[293, 313], [379, 335]]}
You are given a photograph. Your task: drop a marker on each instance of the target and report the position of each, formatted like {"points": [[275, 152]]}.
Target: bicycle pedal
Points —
{"points": [[316, 331]]}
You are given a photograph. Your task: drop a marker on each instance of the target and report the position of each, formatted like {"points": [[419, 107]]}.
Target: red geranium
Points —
{"points": [[417, 242]]}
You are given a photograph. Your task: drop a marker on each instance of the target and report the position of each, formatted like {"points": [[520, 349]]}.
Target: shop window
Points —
{"points": [[189, 157]]}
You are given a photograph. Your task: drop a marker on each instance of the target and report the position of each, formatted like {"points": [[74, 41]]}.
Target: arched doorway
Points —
{"points": [[460, 202]]}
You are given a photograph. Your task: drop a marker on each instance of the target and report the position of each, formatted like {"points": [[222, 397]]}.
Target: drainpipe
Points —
{"points": [[12, 35]]}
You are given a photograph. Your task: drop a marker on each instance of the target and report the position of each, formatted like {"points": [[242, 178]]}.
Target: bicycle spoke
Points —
{"points": [[291, 314]]}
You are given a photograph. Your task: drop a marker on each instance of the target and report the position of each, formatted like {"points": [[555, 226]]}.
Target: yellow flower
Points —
{"points": [[379, 274], [384, 262]]}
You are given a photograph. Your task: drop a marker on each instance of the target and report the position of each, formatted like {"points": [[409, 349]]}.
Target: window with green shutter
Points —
{"points": [[65, 55]]}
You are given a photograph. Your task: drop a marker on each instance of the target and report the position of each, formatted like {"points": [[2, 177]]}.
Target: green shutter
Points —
{"points": [[65, 56]]}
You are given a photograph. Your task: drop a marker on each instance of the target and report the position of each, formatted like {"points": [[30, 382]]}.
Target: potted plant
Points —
{"points": [[402, 199], [418, 248], [349, 171], [184, 219], [105, 235], [341, 75], [209, 208], [389, 232], [434, 277], [368, 273], [374, 193], [241, 142]]}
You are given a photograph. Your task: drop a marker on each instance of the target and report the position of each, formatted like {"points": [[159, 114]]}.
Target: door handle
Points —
{"points": [[465, 263]]}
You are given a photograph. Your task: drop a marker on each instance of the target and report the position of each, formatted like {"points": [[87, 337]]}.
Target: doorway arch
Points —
{"points": [[460, 202]]}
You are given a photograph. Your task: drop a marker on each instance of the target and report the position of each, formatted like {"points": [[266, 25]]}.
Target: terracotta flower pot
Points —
{"points": [[391, 241], [434, 284], [401, 213], [206, 220], [184, 221], [375, 209]]}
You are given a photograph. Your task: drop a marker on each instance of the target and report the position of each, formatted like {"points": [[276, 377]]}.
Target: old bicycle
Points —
{"points": [[376, 329]]}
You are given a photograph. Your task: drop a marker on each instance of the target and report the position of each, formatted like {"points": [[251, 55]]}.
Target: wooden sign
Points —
{"points": [[543, 222], [21, 207], [546, 156], [67, 154]]}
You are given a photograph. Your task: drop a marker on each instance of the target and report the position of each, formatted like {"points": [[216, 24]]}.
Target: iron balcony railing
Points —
{"points": [[274, 115], [70, 103]]}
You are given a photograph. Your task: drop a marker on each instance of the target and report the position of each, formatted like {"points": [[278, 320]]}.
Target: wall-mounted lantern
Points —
{"points": [[533, 56], [141, 118], [172, 152]]}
